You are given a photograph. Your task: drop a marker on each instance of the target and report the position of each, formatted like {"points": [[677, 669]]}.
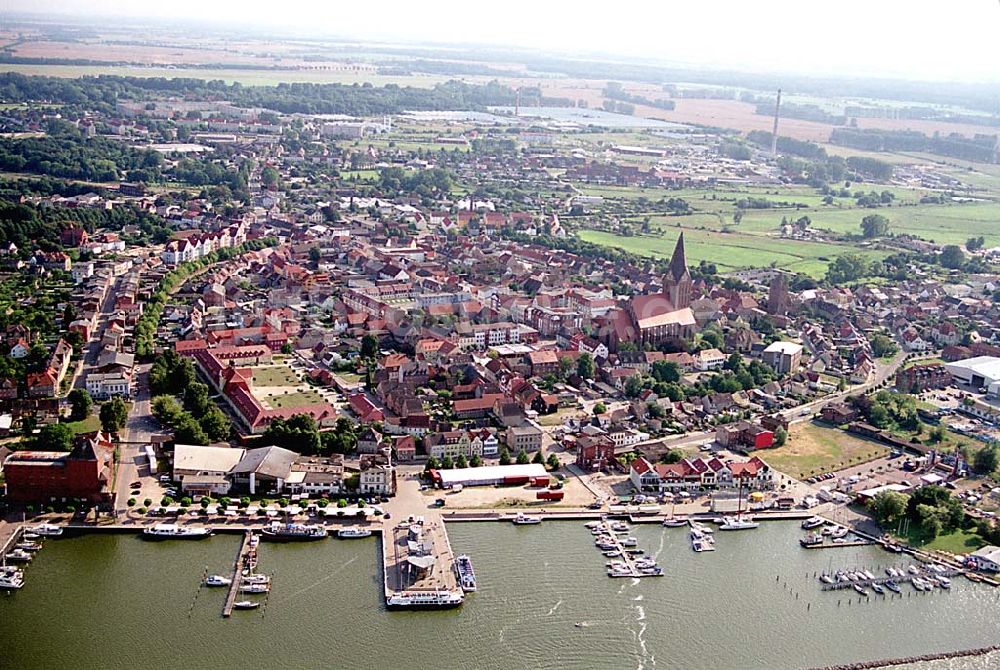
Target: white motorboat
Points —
{"points": [[522, 519], [28, 546], [255, 588], [630, 541], [251, 578], [19, 556], [944, 582], [839, 532], [814, 522], [674, 522], [592, 525], [47, 530], [620, 527], [353, 532], [738, 522], [171, 531], [10, 581], [700, 527], [217, 580]]}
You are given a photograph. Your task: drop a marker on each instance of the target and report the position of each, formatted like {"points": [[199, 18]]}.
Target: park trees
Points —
{"points": [[585, 366], [80, 404], [114, 415], [54, 437], [888, 506]]}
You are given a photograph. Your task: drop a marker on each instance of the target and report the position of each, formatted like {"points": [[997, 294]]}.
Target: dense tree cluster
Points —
{"points": [[357, 100], [980, 148]]}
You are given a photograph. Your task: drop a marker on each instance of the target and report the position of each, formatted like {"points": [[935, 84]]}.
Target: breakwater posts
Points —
{"points": [[874, 665], [237, 575]]}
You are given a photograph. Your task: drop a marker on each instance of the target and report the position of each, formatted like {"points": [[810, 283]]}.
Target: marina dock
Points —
{"points": [[237, 577], [881, 580], [418, 559], [628, 559]]}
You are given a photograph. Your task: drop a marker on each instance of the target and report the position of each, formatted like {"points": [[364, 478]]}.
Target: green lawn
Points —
{"points": [[274, 376], [89, 425], [957, 542], [813, 448], [295, 399], [731, 251]]}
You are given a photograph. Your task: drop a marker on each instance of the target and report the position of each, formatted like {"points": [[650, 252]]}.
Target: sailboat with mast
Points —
{"points": [[739, 521]]}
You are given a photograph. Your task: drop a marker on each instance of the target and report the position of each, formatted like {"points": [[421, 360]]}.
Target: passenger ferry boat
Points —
{"points": [[293, 532], [47, 530], [171, 531], [354, 531], [424, 599], [466, 575], [522, 519]]}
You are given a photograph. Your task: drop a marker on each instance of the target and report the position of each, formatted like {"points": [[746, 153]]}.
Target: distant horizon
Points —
{"points": [[913, 43]]}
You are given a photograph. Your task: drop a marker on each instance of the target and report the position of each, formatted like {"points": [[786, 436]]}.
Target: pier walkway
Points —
{"points": [[242, 556], [417, 557]]}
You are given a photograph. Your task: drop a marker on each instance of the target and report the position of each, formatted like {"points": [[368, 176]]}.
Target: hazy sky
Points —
{"points": [[920, 39]]}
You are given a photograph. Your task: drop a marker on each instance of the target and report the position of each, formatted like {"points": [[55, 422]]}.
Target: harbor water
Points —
{"points": [[115, 601]]}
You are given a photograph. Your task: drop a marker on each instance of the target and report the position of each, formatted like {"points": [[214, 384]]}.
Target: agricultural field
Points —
{"points": [[270, 77], [813, 448], [731, 251]]}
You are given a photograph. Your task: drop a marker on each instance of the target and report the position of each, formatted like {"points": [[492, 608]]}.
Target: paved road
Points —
{"points": [[139, 428]]}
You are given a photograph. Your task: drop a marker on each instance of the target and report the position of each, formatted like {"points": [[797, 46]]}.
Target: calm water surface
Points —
{"points": [[118, 602]]}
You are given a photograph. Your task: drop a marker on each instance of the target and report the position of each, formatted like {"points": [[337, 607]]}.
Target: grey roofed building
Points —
{"points": [[263, 465]]}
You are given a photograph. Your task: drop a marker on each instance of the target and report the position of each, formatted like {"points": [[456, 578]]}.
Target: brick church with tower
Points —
{"points": [[655, 318]]}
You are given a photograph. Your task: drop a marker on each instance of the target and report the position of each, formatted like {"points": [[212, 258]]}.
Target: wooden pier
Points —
{"points": [[242, 556], [839, 545]]}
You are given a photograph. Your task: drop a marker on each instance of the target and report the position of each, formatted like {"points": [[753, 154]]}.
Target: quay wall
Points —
{"points": [[887, 663]]}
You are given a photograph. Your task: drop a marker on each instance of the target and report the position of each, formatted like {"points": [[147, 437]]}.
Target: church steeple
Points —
{"points": [[677, 282]]}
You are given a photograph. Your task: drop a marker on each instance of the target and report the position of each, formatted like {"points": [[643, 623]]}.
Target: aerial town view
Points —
{"points": [[499, 337]]}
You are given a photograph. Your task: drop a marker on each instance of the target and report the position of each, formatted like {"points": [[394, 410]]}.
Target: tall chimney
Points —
{"points": [[774, 131], [517, 103]]}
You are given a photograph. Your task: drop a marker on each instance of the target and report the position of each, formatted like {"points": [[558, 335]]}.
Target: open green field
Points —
{"points": [[247, 77], [944, 224], [731, 251], [813, 448], [957, 542], [275, 375]]}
